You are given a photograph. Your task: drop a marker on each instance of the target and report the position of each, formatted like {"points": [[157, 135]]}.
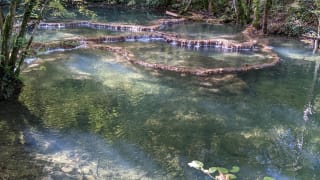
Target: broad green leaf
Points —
{"points": [[231, 176], [196, 164], [235, 169], [268, 178], [223, 170], [212, 170]]}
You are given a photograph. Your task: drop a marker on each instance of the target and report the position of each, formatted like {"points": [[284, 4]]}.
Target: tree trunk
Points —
{"points": [[187, 7], [20, 38], [236, 10], [249, 10], [7, 33], [25, 51], [257, 15], [265, 16], [316, 41], [10, 83], [210, 6], [316, 45], [1, 18]]}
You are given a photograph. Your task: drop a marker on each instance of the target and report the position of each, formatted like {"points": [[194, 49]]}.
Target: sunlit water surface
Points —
{"points": [[89, 114], [62, 34], [161, 53]]}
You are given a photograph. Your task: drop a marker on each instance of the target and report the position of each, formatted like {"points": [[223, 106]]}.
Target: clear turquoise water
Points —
{"points": [[116, 15], [86, 113], [123, 15], [162, 53], [205, 31], [62, 34]]}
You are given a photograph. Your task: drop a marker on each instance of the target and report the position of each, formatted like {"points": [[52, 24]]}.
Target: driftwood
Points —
{"points": [[172, 14]]}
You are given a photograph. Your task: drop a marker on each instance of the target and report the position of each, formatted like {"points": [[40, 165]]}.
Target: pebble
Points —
{"points": [[67, 169], [89, 177], [86, 170]]}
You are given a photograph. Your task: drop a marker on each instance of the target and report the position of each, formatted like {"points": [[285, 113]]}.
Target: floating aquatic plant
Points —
{"points": [[219, 173]]}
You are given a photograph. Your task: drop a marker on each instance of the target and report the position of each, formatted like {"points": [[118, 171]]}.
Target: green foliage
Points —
{"points": [[235, 169], [86, 12], [219, 172], [58, 10], [20, 41], [268, 178], [300, 16]]}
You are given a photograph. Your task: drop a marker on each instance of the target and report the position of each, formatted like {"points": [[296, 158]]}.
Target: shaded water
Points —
{"points": [[205, 30], [88, 114], [130, 16], [118, 15]]}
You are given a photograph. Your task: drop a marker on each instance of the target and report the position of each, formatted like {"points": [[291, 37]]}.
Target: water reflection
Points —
{"points": [[117, 15], [82, 155], [97, 116], [205, 31]]}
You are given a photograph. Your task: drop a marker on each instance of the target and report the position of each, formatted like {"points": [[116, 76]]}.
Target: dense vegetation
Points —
{"points": [[289, 17]]}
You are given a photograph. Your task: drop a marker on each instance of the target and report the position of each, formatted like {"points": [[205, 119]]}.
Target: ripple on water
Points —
{"points": [[150, 124], [78, 155]]}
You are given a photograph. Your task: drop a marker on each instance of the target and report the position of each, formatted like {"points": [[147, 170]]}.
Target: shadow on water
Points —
{"points": [[16, 161], [84, 139], [86, 114]]}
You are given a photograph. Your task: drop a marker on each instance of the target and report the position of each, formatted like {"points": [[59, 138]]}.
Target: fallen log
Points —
{"points": [[172, 14]]}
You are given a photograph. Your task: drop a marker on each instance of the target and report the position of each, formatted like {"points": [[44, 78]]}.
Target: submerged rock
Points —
{"points": [[236, 144], [67, 169], [229, 84]]}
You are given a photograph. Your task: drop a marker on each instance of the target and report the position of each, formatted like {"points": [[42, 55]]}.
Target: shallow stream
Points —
{"points": [[89, 114]]}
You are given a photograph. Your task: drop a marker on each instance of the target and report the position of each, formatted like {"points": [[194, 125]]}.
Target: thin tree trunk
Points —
{"points": [[210, 6], [7, 32], [25, 51], [23, 27], [1, 18], [187, 7], [316, 41], [316, 45], [235, 7], [249, 10], [265, 16], [257, 15]]}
